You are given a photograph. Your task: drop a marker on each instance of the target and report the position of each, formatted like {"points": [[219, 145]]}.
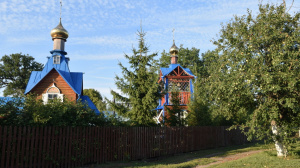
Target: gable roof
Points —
{"points": [[74, 79], [167, 71]]}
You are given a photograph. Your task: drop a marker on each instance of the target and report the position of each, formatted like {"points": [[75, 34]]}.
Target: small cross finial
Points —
{"points": [[173, 34], [60, 9]]}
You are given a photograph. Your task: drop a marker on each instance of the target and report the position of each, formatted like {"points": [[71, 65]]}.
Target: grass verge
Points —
{"points": [[267, 159], [186, 160]]}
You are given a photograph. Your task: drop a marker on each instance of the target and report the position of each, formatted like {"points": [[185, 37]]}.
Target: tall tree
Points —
{"points": [[96, 98], [15, 70], [175, 115], [140, 92], [256, 73]]}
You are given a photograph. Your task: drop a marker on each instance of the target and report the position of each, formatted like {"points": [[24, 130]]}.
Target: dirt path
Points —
{"points": [[221, 159]]}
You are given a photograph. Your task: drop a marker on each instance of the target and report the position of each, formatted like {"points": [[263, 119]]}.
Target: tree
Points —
{"points": [[175, 115], [138, 86], [15, 70], [201, 109], [96, 98], [255, 77], [30, 111]]}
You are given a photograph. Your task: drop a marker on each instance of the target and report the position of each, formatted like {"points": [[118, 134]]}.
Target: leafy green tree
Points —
{"points": [[199, 112], [15, 70], [9, 110], [96, 98], [140, 92], [30, 111], [255, 77]]}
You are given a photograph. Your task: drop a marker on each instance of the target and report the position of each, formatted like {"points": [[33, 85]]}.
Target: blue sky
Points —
{"points": [[101, 31]]}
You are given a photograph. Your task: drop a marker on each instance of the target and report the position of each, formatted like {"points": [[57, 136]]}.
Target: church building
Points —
{"points": [[174, 77], [56, 81]]}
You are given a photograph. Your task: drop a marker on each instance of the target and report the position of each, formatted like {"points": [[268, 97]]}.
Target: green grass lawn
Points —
{"points": [[266, 158], [185, 160]]}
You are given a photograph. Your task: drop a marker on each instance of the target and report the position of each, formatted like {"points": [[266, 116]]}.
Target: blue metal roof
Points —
{"points": [[13, 99], [167, 71], [74, 79], [86, 100]]}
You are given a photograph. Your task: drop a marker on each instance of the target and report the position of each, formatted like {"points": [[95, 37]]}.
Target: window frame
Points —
{"points": [[56, 59]]}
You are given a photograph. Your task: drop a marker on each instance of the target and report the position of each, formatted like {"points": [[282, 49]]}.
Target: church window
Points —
{"points": [[52, 93], [52, 96], [56, 59]]}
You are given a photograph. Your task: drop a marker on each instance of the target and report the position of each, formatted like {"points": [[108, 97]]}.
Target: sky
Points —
{"points": [[102, 31]]}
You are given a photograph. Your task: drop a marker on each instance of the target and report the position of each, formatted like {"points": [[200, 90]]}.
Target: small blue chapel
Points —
{"points": [[174, 77], [56, 81]]}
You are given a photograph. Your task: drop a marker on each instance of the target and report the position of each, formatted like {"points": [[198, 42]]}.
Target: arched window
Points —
{"points": [[52, 93]]}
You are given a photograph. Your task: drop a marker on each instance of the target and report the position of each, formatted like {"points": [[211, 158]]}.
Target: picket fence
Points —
{"points": [[79, 146]]}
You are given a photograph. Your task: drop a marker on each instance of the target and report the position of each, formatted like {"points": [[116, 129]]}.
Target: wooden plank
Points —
{"points": [[68, 145], [23, 147], [53, 146], [40, 146], [64, 147], [14, 143], [44, 148], [32, 139], [36, 147], [8, 152], [90, 144], [3, 142], [2, 147], [48, 150], [19, 141], [71, 146], [27, 148], [103, 142]]}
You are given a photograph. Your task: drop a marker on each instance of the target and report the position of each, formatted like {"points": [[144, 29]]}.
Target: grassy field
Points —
{"points": [[267, 159], [186, 160], [264, 159]]}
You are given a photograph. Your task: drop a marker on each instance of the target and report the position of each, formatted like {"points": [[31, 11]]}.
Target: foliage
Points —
{"points": [[15, 70], [255, 76], [96, 98], [54, 113], [199, 114], [140, 91], [201, 109], [10, 108], [175, 115]]}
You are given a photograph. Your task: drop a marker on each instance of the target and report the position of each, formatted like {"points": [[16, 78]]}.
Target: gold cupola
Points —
{"points": [[59, 32], [174, 49]]}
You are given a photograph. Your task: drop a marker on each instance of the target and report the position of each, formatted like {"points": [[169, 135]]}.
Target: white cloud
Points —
{"points": [[25, 39], [100, 40], [97, 56]]}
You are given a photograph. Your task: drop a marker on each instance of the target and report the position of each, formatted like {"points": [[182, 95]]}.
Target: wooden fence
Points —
{"points": [[78, 146]]}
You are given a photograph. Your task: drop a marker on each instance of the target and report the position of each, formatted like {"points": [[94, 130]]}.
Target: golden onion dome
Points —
{"points": [[59, 32], [174, 49]]}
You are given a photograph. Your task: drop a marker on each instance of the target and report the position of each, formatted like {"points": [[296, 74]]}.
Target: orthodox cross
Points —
{"points": [[173, 34], [60, 9]]}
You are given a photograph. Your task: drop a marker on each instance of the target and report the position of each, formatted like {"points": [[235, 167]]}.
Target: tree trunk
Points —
{"points": [[280, 148]]}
